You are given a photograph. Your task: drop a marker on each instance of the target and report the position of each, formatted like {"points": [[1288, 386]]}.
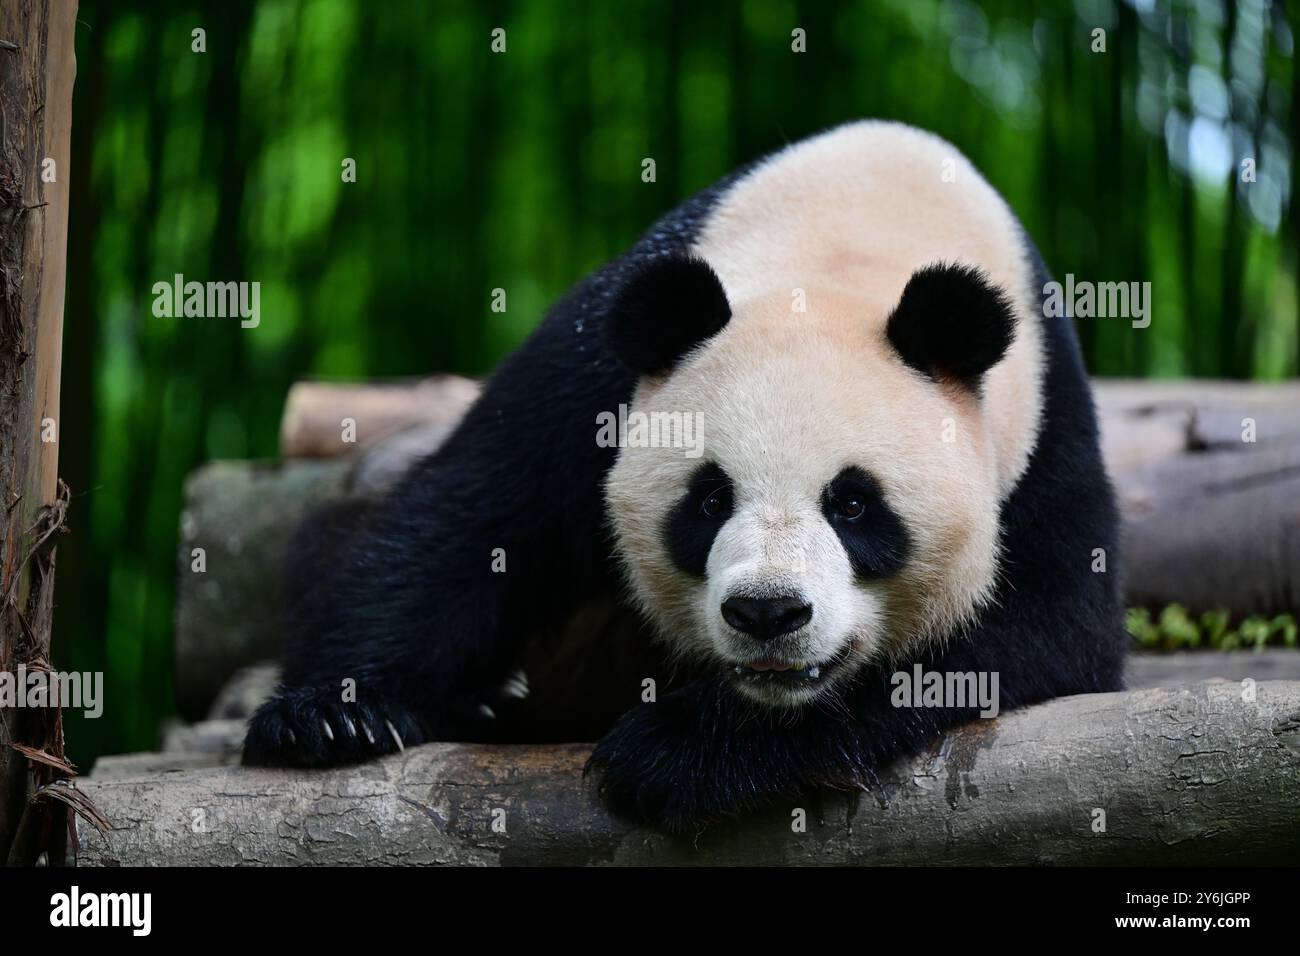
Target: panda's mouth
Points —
{"points": [[789, 673]]}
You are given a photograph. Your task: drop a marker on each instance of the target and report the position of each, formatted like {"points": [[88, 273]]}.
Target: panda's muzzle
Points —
{"points": [[765, 618]]}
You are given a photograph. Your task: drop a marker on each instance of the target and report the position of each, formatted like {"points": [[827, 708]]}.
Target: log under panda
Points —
{"points": [[892, 460]]}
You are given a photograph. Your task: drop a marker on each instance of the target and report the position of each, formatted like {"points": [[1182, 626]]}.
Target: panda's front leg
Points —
{"points": [[324, 725], [704, 753], [660, 765]]}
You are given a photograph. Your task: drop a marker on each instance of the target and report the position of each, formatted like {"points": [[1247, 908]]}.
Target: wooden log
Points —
{"points": [[316, 413], [1195, 775], [37, 67], [1188, 667], [1208, 475], [135, 766]]}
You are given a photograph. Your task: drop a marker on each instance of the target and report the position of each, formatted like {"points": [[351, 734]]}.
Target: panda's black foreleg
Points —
{"points": [[407, 627], [704, 753], [347, 648], [401, 637]]}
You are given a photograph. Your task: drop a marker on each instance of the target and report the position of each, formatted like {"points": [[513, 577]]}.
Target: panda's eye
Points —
{"points": [[716, 503], [849, 507]]}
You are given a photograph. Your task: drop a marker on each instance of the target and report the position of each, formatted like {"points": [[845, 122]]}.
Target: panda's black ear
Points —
{"points": [[952, 323], [666, 308]]}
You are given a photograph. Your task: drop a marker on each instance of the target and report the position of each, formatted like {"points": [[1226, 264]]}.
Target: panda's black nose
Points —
{"points": [[766, 618]]}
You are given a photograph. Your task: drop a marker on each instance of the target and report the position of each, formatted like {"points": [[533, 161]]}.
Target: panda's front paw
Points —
{"points": [[311, 727], [655, 768]]}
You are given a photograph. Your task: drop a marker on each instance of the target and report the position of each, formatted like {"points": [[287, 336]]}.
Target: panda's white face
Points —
{"points": [[841, 508], [860, 332]]}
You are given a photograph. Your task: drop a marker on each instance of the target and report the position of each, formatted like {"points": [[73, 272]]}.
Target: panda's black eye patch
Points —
{"points": [[873, 536], [695, 519]]}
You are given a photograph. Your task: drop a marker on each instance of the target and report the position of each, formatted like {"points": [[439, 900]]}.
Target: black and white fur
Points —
{"points": [[900, 465]]}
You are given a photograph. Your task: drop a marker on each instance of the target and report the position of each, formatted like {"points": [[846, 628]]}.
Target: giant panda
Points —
{"points": [[898, 467]]}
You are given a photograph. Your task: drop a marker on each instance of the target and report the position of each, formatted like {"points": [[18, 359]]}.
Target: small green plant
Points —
{"points": [[1175, 628]]}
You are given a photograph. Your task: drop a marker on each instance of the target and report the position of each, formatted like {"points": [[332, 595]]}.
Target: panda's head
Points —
{"points": [[834, 497]]}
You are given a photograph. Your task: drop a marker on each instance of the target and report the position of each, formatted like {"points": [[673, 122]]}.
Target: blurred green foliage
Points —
{"points": [[521, 170], [1175, 629]]}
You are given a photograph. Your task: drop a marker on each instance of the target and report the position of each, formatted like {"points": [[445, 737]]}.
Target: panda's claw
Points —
{"points": [[397, 738], [311, 727], [515, 686]]}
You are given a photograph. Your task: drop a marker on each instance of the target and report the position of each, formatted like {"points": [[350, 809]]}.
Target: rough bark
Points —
{"points": [[37, 67], [1210, 520], [1188, 775]]}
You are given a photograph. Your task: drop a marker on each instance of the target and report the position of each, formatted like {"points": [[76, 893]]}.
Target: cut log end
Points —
{"points": [[322, 420]]}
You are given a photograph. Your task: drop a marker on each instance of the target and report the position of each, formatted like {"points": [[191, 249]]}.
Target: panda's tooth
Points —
{"points": [[814, 672], [739, 668]]}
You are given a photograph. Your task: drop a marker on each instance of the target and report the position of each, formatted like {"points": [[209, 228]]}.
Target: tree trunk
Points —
{"points": [[37, 66], [1192, 775]]}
